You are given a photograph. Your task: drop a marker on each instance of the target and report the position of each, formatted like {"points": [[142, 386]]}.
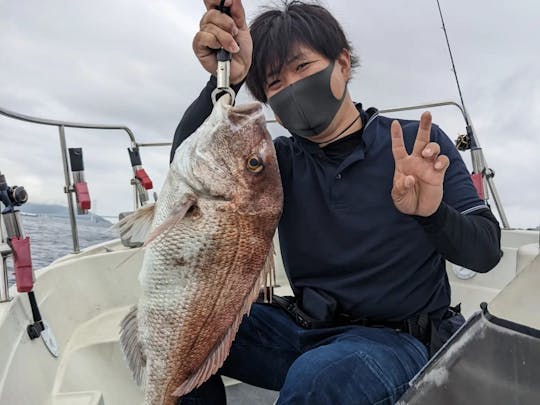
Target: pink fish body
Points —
{"points": [[208, 249]]}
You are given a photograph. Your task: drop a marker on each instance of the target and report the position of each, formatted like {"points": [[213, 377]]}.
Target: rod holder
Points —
{"points": [[80, 187], [140, 181]]}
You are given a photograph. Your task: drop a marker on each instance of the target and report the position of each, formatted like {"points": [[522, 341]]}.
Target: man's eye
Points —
{"points": [[301, 66]]}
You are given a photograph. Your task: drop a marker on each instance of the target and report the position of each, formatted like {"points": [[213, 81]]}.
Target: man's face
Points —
{"points": [[303, 62]]}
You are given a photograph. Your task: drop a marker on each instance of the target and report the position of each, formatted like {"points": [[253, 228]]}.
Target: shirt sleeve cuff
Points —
{"points": [[435, 221]]}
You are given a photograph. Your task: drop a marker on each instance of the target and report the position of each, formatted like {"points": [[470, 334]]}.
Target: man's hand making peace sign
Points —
{"points": [[418, 177]]}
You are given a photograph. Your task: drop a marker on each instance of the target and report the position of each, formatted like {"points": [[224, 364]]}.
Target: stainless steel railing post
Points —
{"points": [[68, 189], [5, 251], [4, 288], [477, 155]]}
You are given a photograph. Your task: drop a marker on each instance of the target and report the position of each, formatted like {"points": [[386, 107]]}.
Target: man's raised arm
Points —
{"points": [[216, 30]]}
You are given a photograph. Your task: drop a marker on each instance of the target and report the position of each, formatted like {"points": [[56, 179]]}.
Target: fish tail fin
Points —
{"points": [[136, 226], [131, 347]]}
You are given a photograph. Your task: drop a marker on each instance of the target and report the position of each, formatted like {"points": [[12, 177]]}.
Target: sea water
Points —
{"points": [[50, 238]]}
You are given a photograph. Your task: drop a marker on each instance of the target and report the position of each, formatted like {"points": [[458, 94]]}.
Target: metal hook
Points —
{"points": [[228, 90]]}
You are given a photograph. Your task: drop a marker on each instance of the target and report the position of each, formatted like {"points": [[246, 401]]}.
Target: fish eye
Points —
{"points": [[254, 163]]}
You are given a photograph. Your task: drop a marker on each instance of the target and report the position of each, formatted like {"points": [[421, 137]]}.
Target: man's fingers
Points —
{"points": [[237, 10], [210, 4], [220, 20], [431, 151], [408, 182], [204, 43], [398, 146], [423, 134], [238, 14], [442, 163], [225, 39], [402, 186]]}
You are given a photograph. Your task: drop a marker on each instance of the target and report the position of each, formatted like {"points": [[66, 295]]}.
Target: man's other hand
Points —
{"points": [[219, 30], [418, 177]]}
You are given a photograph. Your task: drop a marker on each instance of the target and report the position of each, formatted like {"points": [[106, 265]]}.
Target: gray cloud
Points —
{"points": [[131, 63]]}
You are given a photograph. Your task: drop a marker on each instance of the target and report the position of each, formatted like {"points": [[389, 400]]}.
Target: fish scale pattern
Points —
{"points": [[208, 250], [205, 300]]}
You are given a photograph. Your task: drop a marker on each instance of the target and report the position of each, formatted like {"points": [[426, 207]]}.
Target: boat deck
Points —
{"points": [[84, 297], [94, 345]]}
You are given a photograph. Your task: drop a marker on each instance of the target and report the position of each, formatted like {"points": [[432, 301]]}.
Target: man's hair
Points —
{"points": [[276, 31]]}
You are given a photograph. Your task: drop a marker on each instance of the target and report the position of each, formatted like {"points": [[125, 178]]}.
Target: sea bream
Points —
{"points": [[207, 252]]}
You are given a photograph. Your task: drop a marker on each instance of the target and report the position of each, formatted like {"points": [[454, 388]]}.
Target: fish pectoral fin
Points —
{"points": [[131, 347], [136, 226], [188, 204]]}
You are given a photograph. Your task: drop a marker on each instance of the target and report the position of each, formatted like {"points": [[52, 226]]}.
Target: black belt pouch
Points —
{"points": [[319, 305], [440, 333]]}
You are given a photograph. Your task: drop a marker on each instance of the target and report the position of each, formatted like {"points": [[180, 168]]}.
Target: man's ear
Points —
{"points": [[344, 62]]}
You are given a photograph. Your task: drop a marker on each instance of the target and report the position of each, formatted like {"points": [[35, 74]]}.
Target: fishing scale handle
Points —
{"points": [[222, 54], [223, 73]]}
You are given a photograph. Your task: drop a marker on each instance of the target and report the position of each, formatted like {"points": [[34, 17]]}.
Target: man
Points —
{"points": [[372, 208]]}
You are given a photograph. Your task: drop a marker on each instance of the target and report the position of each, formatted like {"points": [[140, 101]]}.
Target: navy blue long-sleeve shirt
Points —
{"points": [[343, 240]]}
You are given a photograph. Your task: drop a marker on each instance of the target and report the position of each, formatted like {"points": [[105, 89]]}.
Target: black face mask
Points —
{"points": [[306, 108]]}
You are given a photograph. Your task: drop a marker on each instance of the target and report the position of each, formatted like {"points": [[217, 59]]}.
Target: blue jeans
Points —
{"points": [[333, 366]]}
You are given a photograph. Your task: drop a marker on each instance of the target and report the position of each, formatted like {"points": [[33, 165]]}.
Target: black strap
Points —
{"points": [[300, 317], [422, 327], [419, 326]]}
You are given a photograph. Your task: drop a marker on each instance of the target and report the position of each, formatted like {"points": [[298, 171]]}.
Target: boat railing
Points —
{"points": [[479, 163], [478, 160], [69, 188]]}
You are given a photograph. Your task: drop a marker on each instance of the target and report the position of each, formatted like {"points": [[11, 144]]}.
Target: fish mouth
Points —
{"points": [[248, 108], [247, 113]]}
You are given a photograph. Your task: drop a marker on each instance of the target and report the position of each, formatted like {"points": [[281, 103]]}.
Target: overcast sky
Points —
{"points": [[131, 63]]}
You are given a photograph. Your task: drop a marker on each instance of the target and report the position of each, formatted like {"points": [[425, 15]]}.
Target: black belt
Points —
{"points": [[418, 326]]}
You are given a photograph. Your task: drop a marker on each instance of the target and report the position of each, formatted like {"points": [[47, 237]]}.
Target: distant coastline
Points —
{"points": [[59, 211]]}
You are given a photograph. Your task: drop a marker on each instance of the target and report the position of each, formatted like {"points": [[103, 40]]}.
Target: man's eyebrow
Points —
{"points": [[293, 58]]}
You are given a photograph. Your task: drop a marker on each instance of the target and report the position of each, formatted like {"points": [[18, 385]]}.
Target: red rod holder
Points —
{"points": [[83, 196], [141, 175], [478, 184], [22, 261]]}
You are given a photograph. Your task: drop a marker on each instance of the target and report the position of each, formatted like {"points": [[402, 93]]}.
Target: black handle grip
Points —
{"points": [[222, 54], [134, 157], [226, 10], [76, 159]]}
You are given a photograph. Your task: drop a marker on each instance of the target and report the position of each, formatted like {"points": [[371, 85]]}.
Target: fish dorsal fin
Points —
{"points": [[188, 203], [136, 226], [217, 357], [131, 347]]}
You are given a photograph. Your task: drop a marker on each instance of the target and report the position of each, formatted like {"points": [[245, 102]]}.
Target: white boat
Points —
{"points": [[84, 296]]}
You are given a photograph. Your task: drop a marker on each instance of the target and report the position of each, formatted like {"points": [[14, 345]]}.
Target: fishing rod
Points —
{"points": [[482, 175], [451, 58]]}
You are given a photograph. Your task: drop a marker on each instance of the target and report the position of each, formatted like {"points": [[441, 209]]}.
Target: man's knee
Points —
{"points": [[317, 377]]}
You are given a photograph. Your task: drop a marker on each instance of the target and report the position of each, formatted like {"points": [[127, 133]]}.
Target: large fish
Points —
{"points": [[208, 250]]}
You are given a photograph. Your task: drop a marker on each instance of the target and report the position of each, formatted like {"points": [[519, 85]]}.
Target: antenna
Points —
{"points": [[452, 60]]}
